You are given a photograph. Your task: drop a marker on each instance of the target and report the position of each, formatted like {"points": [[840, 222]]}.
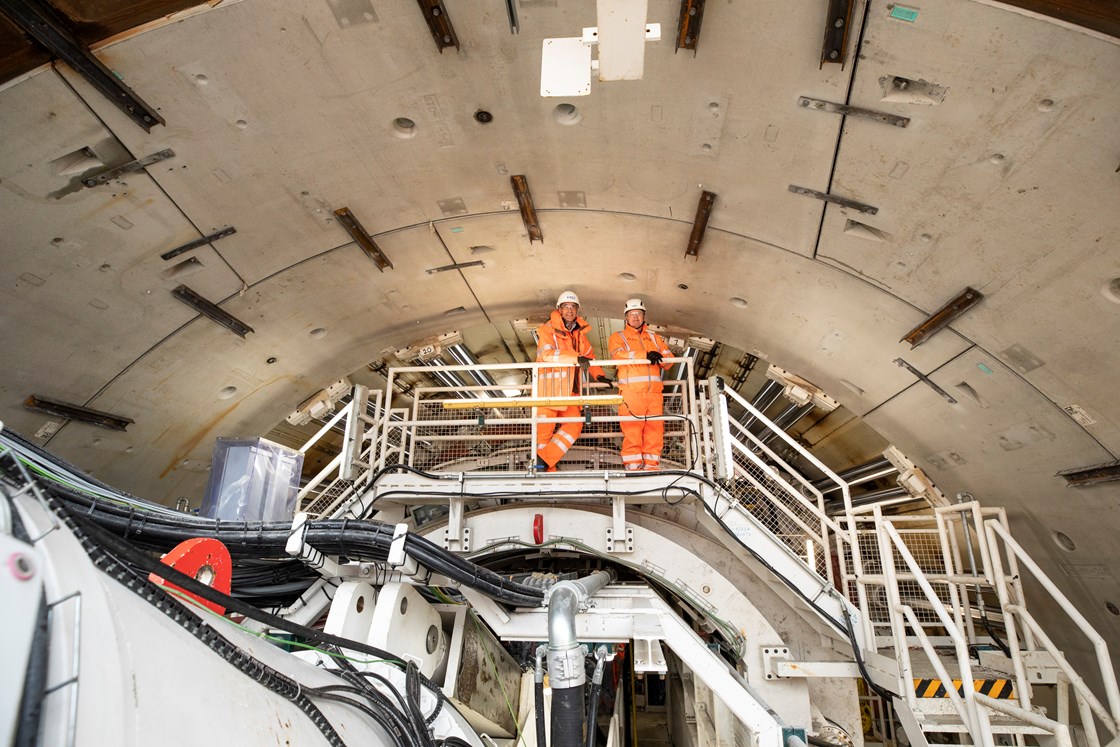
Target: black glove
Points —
{"points": [[604, 380], [654, 357], [584, 362]]}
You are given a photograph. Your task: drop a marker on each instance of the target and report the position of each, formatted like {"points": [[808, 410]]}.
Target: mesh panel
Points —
{"points": [[771, 498], [925, 545], [317, 503], [442, 436]]}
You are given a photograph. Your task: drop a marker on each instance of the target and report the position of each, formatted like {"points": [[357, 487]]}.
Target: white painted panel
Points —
{"points": [[622, 39]]}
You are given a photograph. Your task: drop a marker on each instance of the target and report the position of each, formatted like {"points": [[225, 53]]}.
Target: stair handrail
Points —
{"points": [[1013, 609], [359, 426], [969, 709], [842, 534]]}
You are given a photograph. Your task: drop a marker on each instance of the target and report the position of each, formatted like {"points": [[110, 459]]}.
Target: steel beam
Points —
{"points": [[43, 24], [77, 412]]}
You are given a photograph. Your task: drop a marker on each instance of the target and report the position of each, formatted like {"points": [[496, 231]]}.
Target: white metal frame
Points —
{"points": [[876, 551]]}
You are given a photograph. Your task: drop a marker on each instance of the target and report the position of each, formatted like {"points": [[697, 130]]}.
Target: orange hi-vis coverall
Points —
{"points": [[556, 344], [640, 387]]}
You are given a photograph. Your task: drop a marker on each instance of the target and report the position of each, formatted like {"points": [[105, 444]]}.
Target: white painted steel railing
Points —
{"points": [[905, 573], [484, 427], [1008, 584], [351, 468]]}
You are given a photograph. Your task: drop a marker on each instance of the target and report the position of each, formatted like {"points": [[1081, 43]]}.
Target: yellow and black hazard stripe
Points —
{"points": [[999, 689]]}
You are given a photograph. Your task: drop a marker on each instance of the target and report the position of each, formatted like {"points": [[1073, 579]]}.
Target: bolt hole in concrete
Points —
{"points": [[318, 333], [627, 277], [566, 114], [1111, 290], [403, 127], [739, 303], [1112, 608], [1062, 540], [227, 392]]}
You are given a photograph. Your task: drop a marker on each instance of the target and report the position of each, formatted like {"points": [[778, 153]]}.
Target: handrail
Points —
{"points": [[979, 723], [1058, 729], [850, 535], [762, 481], [1111, 717], [796, 446], [355, 422]]}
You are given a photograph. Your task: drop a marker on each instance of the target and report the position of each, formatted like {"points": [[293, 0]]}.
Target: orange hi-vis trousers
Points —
{"points": [[552, 442], [641, 439]]}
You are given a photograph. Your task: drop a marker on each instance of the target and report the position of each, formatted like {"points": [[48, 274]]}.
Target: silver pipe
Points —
{"points": [[875, 496], [860, 469], [879, 495], [788, 418], [445, 378], [464, 357], [965, 521], [600, 660], [763, 399], [565, 656], [861, 479], [538, 673]]}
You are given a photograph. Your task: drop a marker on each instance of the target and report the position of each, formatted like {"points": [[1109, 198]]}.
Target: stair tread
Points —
{"points": [[922, 668]]}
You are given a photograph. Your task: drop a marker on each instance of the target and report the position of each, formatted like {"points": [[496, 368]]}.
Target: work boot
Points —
{"points": [[540, 465]]}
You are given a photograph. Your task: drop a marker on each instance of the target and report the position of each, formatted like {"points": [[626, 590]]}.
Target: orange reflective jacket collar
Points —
{"points": [[557, 322]]}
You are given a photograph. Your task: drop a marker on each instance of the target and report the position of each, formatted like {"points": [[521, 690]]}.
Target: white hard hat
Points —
{"points": [[567, 297], [634, 304]]}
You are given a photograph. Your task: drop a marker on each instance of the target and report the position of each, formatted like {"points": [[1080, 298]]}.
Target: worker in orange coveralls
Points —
{"points": [[640, 387], [562, 339]]}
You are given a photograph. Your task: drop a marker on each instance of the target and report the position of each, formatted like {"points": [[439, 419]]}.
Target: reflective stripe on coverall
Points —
{"points": [[555, 344], [640, 387]]}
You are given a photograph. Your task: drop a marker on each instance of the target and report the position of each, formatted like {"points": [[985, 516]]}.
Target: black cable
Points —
{"points": [[257, 670], [30, 713], [364, 539], [459, 742], [998, 641], [886, 695], [412, 695], [200, 589], [592, 713], [396, 731]]}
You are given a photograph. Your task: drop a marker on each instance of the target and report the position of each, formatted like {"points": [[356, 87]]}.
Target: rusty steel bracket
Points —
{"points": [[456, 266], [138, 165], [211, 310], [77, 412], [852, 111], [172, 253], [834, 199], [941, 318]]}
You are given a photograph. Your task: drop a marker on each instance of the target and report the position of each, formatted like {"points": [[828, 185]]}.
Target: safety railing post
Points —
{"points": [[950, 572], [894, 605]]}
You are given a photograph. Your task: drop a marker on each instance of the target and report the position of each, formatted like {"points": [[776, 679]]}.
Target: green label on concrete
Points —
{"points": [[903, 13]]}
